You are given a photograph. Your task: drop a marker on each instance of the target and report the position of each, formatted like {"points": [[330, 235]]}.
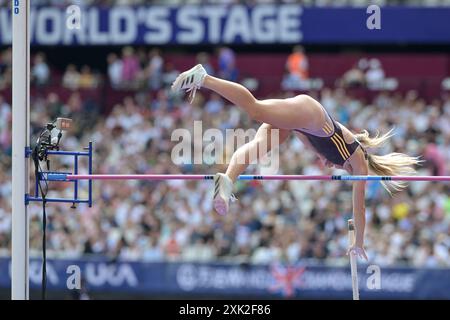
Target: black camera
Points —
{"points": [[45, 141]]}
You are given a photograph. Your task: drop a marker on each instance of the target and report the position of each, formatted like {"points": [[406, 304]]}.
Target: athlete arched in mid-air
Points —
{"points": [[305, 116]]}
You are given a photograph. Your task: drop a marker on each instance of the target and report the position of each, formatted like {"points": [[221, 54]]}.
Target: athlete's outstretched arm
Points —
{"points": [[359, 167]]}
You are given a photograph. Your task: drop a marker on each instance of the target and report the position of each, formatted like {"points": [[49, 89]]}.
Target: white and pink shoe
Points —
{"points": [[222, 193], [190, 80]]}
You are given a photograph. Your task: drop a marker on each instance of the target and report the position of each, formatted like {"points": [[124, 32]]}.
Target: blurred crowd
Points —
{"points": [[141, 69], [271, 221], [5, 68]]}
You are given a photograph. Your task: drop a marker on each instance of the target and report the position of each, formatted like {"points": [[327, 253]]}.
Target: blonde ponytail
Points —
{"points": [[392, 164]]}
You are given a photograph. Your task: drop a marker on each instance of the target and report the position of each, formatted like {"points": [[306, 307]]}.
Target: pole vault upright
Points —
{"points": [[20, 141]]}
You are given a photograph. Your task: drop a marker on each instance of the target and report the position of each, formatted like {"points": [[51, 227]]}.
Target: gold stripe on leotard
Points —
{"points": [[344, 145], [326, 128], [339, 147], [338, 141]]}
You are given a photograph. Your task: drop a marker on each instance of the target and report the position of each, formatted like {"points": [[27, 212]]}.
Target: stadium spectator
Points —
{"points": [[115, 72], [53, 105], [71, 78], [227, 64], [297, 64], [356, 77], [130, 67], [204, 59], [73, 108], [375, 74], [297, 70], [155, 69], [169, 74], [434, 159], [40, 72], [87, 79]]}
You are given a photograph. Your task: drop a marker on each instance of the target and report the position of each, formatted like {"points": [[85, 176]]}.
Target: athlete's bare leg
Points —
{"points": [[298, 112], [254, 150]]}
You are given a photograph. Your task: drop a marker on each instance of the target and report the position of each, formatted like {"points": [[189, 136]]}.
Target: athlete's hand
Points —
{"points": [[357, 251]]}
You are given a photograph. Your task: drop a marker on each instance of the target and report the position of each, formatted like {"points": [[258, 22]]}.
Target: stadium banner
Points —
{"points": [[231, 280], [235, 24]]}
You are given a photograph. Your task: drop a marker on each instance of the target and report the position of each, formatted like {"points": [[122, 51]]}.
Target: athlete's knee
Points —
{"points": [[258, 140], [261, 144]]}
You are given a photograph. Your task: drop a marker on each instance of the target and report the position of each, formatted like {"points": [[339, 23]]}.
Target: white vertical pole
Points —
{"points": [[353, 266], [20, 140]]}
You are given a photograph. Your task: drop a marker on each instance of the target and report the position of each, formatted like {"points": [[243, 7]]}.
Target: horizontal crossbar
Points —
{"points": [[67, 177]]}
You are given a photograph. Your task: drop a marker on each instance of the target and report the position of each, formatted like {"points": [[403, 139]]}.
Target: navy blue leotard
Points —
{"points": [[333, 146]]}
